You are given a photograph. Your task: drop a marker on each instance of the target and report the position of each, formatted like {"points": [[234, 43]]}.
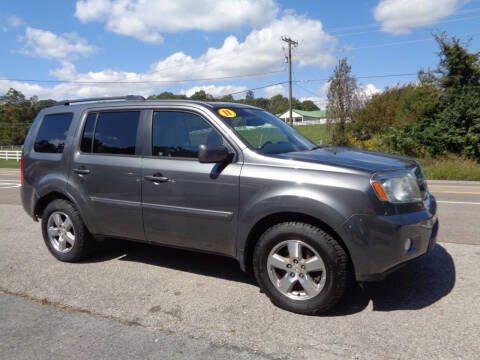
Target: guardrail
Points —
{"points": [[10, 155]]}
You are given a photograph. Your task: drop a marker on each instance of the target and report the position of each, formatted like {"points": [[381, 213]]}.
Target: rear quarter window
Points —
{"points": [[52, 133]]}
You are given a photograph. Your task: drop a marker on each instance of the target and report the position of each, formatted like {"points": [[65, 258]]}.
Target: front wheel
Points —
{"points": [[300, 267]]}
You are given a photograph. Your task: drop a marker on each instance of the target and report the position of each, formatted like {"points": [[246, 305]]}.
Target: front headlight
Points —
{"points": [[397, 187]]}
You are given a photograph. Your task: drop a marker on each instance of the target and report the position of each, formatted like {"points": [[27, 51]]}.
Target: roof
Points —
{"points": [[319, 114], [315, 113], [133, 101]]}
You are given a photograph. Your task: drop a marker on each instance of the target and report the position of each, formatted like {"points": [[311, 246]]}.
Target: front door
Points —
{"points": [[186, 203], [106, 174]]}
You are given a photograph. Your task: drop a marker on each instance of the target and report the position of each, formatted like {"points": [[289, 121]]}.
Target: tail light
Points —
{"points": [[21, 171]]}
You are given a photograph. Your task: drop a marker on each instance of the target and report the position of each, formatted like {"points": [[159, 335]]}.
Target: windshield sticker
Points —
{"points": [[227, 113]]}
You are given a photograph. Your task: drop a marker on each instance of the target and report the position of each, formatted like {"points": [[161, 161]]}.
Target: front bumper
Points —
{"points": [[377, 243]]}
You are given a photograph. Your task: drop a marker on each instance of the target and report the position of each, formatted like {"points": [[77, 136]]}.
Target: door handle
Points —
{"points": [[82, 170], [157, 178]]}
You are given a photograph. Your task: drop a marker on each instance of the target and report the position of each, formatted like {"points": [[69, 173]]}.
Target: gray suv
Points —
{"points": [[229, 179]]}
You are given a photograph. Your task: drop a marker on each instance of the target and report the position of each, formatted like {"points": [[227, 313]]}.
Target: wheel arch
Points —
{"points": [[276, 218]]}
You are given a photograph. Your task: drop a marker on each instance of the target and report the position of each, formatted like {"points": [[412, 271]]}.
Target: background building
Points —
{"points": [[301, 117]]}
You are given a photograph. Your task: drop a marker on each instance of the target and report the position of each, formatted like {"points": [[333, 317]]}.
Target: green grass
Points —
{"points": [[10, 164], [451, 169], [316, 133]]}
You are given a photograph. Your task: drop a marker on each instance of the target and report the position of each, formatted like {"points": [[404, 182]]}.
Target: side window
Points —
{"points": [[86, 145], [115, 132], [178, 134], [52, 133]]}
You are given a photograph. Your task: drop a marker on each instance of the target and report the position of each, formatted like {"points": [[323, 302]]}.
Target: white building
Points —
{"points": [[301, 117]]}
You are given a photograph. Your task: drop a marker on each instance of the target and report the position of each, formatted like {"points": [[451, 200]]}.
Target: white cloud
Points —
{"points": [[401, 16], [274, 90], [369, 90], [259, 53], [14, 21], [146, 20], [47, 45], [216, 91]]}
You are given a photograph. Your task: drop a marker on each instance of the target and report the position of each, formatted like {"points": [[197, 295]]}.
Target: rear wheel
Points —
{"points": [[64, 232], [300, 267]]}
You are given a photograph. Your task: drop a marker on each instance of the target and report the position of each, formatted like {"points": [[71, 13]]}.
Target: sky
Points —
{"points": [[86, 48]]}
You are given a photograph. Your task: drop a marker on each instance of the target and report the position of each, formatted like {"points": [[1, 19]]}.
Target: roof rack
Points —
{"points": [[126, 98]]}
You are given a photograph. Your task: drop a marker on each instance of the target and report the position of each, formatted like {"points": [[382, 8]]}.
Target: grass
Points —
{"points": [[454, 168], [316, 133], [13, 164]]}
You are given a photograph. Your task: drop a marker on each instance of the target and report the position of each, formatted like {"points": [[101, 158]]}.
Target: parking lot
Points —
{"points": [[140, 300]]}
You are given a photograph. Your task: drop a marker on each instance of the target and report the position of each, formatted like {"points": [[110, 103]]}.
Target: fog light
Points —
{"points": [[408, 245]]}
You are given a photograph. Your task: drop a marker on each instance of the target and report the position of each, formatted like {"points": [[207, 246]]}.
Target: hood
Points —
{"points": [[370, 161]]}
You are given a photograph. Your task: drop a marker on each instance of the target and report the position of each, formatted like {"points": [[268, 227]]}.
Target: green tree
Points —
{"points": [[278, 104], [444, 108], [202, 96], [16, 114], [343, 100], [250, 97], [308, 105], [167, 95], [227, 98]]}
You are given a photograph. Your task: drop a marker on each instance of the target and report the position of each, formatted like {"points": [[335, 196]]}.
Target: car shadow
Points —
{"points": [[417, 285], [178, 259]]}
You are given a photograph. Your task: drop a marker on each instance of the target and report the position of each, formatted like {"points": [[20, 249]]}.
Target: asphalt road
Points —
{"points": [[203, 306]]}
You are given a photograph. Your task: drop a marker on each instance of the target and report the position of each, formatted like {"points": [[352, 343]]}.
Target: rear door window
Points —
{"points": [[111, 132], [52, 133]]}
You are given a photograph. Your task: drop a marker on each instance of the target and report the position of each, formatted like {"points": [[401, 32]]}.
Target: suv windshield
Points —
{"points": [[264, 132]]}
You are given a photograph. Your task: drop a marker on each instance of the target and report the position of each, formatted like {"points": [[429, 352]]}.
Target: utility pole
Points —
{"points": [[290, 42]]}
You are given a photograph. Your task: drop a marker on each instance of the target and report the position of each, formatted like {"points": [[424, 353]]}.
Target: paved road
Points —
{"points": [[49, 333], [428, 309]]}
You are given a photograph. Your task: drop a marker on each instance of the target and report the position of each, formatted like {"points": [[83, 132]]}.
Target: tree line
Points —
{"points": [[17, 112], [435, 116]]}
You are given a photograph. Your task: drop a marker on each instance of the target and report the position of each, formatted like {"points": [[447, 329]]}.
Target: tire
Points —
{"points": [[325, 280], [57, 232]]}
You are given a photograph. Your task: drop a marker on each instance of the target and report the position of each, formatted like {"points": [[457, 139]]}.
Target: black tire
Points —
{"points": [[333, 255], [84, 242]]}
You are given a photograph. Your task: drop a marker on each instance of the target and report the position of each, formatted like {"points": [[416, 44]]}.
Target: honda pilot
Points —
{"points": [[229, 179]]}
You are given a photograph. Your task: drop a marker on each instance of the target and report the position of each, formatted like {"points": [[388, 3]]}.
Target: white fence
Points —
{"points": [[10, 155], [310, 122], [11, 147]]}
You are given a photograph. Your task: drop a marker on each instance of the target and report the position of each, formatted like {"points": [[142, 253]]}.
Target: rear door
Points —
{"points": [[191, 205], [106, 173]]}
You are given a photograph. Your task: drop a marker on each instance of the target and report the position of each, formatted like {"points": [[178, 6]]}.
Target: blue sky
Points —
{"points": [[105, 47]]}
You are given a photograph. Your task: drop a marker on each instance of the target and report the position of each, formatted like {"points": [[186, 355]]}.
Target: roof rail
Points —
{"points": [[126, 98]]}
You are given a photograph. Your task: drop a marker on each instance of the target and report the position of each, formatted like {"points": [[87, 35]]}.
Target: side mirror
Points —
{"points": [[212, 153]]}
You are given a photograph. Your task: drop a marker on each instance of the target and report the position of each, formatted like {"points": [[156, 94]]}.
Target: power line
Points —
{"points": [[296, 82], [146, 81], [307, 90], [359, 77], [252, 89], [425, 27], [401, 42], [376, 25]]}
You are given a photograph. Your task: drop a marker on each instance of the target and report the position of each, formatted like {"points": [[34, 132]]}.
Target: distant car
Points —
{"points": [[229, 179]]}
